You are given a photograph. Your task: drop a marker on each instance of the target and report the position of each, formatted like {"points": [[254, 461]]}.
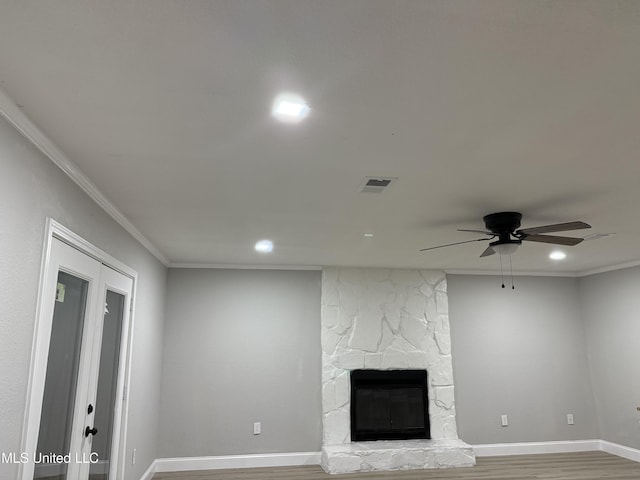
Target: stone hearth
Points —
{"points": [[396, 455], [387, 319]]}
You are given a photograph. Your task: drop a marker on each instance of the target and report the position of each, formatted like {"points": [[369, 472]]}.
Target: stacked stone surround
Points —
{"points": [[387, 319]]}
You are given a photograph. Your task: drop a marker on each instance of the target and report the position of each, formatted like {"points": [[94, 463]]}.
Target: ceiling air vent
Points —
{"points": [[376, 184]]}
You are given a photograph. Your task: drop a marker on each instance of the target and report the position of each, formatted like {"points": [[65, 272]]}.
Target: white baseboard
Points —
{"points": [[532, 448], [620, 450], [184, 464], [150, 472]]}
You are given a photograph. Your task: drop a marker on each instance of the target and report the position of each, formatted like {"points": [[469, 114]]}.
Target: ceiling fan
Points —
{"points": [[505, 227]]}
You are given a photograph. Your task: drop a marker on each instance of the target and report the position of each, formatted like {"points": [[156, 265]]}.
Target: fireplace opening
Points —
{"points": [[389, 405]]}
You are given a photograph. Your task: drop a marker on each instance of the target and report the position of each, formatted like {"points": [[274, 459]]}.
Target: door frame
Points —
{"points": [[40, 349]]}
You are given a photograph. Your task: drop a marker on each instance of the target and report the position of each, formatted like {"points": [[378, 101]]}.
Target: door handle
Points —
{"points": [[90, 431]]}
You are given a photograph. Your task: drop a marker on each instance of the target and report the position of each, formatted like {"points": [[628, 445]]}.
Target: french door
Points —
{"points": [[79, 422]]}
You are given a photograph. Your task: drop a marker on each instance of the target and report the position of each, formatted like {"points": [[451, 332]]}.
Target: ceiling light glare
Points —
{"points": [[264, 246], [557, 255], [290, 108], [368, 235]]}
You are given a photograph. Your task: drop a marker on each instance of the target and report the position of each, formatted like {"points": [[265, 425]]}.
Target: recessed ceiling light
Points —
{"points": [[557, 255], [290, 108], [368, 235], [264, 246]]}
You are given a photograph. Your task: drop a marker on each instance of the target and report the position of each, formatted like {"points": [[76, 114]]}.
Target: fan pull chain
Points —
{"points": [[501, 272], [511, 268]]}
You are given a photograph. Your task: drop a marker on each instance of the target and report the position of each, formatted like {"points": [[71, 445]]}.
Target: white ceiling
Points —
{"points": [[476, 106]]}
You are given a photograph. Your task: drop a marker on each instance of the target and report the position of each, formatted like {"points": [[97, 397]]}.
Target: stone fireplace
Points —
{"points": [[386, 320]]}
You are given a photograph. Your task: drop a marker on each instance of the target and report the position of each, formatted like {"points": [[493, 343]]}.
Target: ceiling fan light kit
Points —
{"points": [[506, 248]]}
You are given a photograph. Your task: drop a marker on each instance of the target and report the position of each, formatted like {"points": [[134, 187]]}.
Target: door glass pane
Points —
{"points": [[107, 384], [62, 375]]}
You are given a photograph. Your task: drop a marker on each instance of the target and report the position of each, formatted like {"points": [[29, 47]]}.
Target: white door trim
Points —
{"points": [[41, 335]]}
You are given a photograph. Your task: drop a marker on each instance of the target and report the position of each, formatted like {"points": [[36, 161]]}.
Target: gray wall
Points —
{"points": [[611, 313], [32, 188], [521, 353], [241, 346]]}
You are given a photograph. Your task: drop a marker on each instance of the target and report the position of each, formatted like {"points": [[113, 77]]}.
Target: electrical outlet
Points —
{"points": [[133, 457], [569, 418], [257, 428], [504, 420]]}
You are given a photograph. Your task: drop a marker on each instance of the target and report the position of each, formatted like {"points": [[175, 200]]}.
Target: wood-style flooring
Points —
{"points": [[557, 466]]}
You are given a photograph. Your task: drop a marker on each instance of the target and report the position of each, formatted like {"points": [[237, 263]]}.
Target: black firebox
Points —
{"points": [[389, 405]]}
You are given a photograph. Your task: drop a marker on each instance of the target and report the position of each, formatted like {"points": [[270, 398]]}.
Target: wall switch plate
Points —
{"points": [[505, 420], [569, 418], [257, 428]]}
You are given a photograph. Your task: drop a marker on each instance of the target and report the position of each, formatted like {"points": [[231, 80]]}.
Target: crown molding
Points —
{"points": [[16, 117], [234, 266], [580, 274], [610, 268], [454, 271]]}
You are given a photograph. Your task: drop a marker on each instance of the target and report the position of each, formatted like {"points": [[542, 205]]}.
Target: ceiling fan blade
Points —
{"points": [[558, 227], [488, 251], [569, 241], [457, 243], [475, 231]]}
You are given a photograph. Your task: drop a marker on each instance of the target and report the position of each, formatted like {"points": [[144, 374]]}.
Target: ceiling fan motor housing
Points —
{"points": [[503, 223]]}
